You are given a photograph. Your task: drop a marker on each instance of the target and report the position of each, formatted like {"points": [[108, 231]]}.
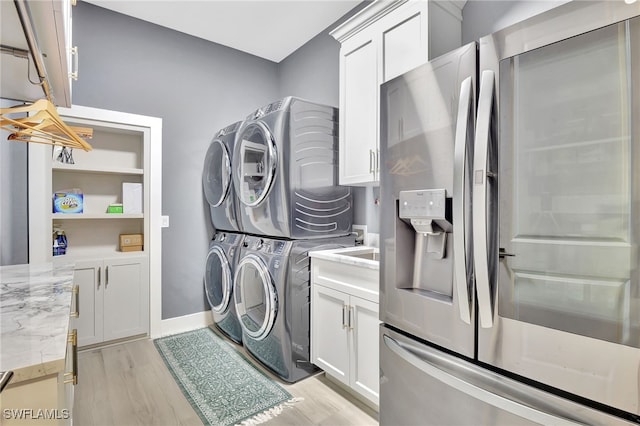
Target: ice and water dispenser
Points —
{"points": [[427, 214]]}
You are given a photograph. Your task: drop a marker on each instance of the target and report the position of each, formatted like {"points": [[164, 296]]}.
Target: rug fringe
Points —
{"points": [[269, 414]]}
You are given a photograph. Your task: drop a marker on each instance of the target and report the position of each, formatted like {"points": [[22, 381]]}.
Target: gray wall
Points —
{"points": [[14, 238], [196, 87], [483, 17], [313, 71]]}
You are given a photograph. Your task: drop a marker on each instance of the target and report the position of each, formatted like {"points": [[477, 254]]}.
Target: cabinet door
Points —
{"points": [[358, 110], [126, 297], [365, 367], [404, 39], [88, 276], [329, 332]]}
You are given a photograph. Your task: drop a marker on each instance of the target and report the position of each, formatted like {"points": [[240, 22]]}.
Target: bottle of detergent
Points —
{"points": [[59, 242]]}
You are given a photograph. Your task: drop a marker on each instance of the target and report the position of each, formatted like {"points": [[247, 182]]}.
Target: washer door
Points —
{"points": [[216, 176], [255, 297], [217, 280], [256, 164]]}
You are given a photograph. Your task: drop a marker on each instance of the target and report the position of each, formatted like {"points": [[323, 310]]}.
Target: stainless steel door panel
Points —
{"points": [[565, 300], [565, 21], [595, 369], [427, 123], [446, 390]]}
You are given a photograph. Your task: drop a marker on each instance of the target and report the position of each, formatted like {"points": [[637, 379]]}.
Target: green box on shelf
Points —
{"points": [[114, 208]]}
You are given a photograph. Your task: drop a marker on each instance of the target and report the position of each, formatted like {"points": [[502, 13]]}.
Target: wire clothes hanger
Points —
{"points": [[44, 126]]}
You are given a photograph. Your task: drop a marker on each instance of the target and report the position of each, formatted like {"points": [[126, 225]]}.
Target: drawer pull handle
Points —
{"points": [[73, 339]]}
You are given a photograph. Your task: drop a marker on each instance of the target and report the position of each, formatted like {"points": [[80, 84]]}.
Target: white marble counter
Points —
{"points": [[35, 302], [363, 256]]}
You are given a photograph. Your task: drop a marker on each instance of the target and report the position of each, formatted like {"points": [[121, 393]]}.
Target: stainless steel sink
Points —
{"points": [[369, 255]]}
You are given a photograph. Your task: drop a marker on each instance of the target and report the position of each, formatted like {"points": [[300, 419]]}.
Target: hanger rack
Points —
{"points": [[44, 125]]}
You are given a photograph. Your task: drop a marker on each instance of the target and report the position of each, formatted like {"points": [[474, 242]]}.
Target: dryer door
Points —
{"points": [[255, 297], [218, 281], [216, 176], [256, 164]]}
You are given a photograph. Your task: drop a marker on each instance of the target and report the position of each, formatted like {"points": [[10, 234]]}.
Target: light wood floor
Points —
{"points": [[129, 384]]}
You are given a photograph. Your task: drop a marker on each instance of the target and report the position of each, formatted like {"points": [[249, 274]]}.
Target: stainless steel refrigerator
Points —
{"points": [[510, 223]]}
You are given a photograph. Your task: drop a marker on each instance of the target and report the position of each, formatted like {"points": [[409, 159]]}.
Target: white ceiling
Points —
{"points": [[266, 28]]}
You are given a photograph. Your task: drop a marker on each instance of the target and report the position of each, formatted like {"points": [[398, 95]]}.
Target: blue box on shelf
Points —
{"points": [[68, 202]]}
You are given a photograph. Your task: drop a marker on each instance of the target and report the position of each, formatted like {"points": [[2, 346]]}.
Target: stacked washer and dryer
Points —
{"points": [[277, 173]]}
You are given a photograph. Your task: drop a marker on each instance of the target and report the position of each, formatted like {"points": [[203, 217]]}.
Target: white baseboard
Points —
{"points": [[185, 323]]}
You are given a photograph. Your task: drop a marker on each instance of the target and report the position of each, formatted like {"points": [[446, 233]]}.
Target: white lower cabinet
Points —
{"points": [[113, 300], [365, 364], [346, 339], [331, 337], [345, 326]]}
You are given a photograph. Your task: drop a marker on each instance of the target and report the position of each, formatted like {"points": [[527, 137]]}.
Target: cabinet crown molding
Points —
{"points": [[364, 18], [380, 8]]}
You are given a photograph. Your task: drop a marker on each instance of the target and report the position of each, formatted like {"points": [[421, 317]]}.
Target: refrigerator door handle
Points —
{"points": [[480, 175], [491, 390], [460, 207]]}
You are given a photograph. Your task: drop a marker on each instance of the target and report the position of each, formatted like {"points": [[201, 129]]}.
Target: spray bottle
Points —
{"points": [[59, 242]]}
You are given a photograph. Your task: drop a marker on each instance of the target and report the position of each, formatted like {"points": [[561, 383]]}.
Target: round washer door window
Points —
{"points": [[255, 161], [255, 297], [216, 176], [218, 281]]}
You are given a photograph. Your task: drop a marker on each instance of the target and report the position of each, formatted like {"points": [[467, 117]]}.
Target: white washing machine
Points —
{"points": [[285, 172], [272, 294], [218, 282], [217, 182]]}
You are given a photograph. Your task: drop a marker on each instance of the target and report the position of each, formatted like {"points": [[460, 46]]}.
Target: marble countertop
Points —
{"points": [[35, 303], [363, 256]]}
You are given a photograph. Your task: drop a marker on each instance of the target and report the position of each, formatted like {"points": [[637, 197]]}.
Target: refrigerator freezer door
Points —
{"points": [[566, 295], [427, 122], [446, 390]]}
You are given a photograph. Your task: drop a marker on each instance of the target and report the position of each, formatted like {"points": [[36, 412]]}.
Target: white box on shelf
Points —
{"points": [[131, 197]]}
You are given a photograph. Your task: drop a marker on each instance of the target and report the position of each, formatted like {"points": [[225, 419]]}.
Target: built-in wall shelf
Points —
{"points": [[98, 170], [94, 254], [110, 216], [119, 293]]}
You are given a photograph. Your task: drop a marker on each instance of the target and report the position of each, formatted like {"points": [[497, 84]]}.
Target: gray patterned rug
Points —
{"points": [[221, 385]]}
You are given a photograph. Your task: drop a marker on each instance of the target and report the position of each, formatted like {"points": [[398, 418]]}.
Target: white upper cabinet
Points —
{"points": [[403, 39], [358, 110], [381, 42]]}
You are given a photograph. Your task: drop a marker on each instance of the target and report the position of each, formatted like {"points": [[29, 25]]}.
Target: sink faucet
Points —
{"points": [[5, 378]]}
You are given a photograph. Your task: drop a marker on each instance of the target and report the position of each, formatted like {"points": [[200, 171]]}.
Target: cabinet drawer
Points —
{"points": [[356, 280]]}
